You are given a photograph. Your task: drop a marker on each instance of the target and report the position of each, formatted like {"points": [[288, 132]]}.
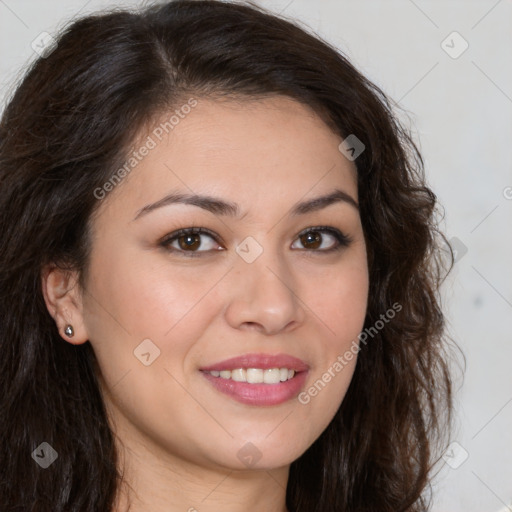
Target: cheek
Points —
{"points": [[338, 298], [339, 304], [133, 298], [344, 303], [148, 295]]}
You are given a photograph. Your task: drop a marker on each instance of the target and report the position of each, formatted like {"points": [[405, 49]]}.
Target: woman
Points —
{"points": [[219, 273]]}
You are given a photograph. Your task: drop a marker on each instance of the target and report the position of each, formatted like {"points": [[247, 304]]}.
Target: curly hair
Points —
{"points": [[65, 129]]}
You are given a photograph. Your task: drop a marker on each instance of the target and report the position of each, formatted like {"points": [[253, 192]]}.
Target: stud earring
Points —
{"points": [[69, 331]]}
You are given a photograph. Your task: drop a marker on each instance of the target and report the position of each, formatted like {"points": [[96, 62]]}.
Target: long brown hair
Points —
{"points": [[63, 133]]}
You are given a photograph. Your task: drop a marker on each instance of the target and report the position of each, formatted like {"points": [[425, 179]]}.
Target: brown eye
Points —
{"points": [[191, 242], [196, 241], [322, 239], [311, 240]]}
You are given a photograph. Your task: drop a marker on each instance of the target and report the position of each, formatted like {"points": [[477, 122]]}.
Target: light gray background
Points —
{"points": [[461, 111]]}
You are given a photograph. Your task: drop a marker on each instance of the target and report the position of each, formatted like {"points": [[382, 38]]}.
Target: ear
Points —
{"points": [[63, 299]]}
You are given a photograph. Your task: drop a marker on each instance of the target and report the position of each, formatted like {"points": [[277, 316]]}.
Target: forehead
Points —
{"points": [[253, 152]]}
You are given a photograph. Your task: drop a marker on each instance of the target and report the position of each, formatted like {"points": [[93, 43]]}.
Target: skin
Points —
{"points": [[177, 435]]}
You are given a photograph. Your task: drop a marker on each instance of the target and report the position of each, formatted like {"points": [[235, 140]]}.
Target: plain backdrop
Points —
{"points": [[449, 65]]}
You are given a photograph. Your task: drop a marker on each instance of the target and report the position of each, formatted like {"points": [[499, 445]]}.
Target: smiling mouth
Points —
{"points": [[266, 390], [258, 379]]}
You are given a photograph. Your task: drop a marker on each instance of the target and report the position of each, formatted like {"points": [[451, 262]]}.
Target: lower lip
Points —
{"points": [[259, 394]]}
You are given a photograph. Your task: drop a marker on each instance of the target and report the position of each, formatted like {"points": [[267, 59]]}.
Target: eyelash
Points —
{"points": [[342, 240]]}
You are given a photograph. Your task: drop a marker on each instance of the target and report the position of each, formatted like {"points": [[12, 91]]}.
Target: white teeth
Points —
{"points": [[272, 376], [256, 375], [238, 375]]}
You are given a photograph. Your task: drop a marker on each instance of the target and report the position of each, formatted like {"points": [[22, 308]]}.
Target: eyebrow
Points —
{"points": [[218, 206]]}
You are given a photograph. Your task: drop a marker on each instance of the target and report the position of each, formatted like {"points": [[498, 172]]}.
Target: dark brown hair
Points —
{"points": [[68, 127]]}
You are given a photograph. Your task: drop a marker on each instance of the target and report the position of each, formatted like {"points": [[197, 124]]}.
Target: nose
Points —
{"points": [[263, 298]]}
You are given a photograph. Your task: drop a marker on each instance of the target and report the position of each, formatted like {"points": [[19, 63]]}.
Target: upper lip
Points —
{"points": [[263, 361]]}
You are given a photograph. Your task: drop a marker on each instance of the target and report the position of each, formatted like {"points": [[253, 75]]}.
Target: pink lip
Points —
{"points": [[263, 361], [259, 394]]}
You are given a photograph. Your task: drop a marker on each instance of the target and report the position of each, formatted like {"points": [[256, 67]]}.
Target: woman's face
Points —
{"points": [[267, 281]]}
